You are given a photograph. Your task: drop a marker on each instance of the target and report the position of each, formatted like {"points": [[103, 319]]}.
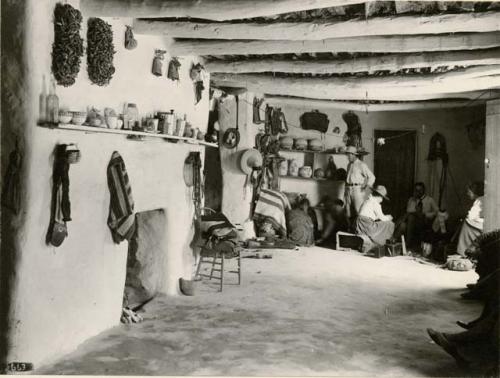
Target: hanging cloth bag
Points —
{"points": [[314, 121], [157, 63], [173, 69]]}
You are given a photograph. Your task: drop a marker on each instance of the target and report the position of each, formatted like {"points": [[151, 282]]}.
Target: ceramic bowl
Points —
{"points": [[96, 122], [305, 171], [300, 144], [65, 118], [78, 118]]}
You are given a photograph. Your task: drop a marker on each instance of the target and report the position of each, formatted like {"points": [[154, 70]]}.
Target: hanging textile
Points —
{"points": [[257, 103], [11, 190], [438, 158], [121, 220]]}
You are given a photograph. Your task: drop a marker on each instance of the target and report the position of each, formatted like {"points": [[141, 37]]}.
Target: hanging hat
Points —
{"points": [[249, 160], [381, 190], [351, 150]]}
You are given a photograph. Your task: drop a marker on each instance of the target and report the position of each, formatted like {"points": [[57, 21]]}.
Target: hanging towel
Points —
{"points": [[121, 220], [11, 191], [272, 206]]}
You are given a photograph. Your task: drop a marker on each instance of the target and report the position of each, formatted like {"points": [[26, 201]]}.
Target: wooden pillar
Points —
{"points": [[492, 167]]}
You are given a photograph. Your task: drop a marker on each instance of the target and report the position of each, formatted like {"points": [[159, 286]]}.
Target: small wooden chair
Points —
{"points": [[217, 264], [218, 249]]}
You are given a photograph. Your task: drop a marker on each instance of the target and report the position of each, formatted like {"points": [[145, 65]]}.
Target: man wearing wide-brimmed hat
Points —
{"points": [[359, 177]]}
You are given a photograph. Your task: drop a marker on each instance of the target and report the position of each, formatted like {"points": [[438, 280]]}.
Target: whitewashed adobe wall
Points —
{"points": [[62, 296]]}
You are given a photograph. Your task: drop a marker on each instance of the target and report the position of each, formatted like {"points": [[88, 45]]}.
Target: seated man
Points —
{"points": [[416, 224], [335, 219], [371, 223], [300, 225]]}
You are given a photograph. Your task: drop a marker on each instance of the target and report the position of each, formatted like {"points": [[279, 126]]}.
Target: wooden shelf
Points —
{"points": [[305, 178], [313, 152], [321, 152], [90, 129]]}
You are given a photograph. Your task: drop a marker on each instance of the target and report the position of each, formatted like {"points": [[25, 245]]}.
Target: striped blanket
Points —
{"points": [[121, 220], [271, 207]]}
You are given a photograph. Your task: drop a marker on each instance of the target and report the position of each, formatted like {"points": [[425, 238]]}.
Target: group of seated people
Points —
{"points": [[478, 345], [422, 224]]}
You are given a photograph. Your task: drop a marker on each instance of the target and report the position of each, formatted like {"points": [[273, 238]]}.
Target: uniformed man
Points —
{"points": [[359, 177]]}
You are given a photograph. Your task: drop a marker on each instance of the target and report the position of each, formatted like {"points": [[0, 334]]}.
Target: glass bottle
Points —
{"points": [[42, 110], [52, 104]]}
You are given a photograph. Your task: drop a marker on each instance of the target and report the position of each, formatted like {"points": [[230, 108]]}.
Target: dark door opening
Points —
{"points": [[394, 167]]}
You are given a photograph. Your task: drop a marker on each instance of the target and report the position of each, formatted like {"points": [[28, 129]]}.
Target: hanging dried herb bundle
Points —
{"points": [[100, 51], [67, 49]]}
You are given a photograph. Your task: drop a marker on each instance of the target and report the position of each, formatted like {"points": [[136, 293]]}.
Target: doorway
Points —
{"points": [[394, 167]]}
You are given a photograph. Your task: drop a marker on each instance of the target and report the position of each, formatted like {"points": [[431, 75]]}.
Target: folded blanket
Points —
{"points": [[271, 206]]}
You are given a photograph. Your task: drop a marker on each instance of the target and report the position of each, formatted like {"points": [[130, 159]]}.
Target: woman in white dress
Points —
{"points": [[473, 223]]}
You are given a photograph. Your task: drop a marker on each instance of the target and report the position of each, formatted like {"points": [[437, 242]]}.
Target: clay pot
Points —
{"points": [[286, 143], [305, 171], [200, 135], [315, 144], [187, 286], [300, 144], [293, 168], [319, 173], [283, 168]]}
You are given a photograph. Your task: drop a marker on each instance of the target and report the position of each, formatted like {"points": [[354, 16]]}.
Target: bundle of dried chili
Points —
{"points": [[67, 49], [100, 51]]}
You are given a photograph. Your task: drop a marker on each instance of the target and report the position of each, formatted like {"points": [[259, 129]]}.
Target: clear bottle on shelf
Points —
{"points": [[42, 110], [52, 104]]}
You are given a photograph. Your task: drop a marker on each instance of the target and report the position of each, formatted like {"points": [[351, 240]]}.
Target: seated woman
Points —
{"points": [[371, 223], [472, 227], [300, 225], [335, 220]]}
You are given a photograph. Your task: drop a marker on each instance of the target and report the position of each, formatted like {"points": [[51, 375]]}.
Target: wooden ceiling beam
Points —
{"points": [[389, 88], [376, 44], [312, 31], [392, 62], [308, 103], [216, 10]]}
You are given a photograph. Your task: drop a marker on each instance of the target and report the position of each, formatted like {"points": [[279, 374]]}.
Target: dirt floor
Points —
{"points": [[313, 312]]}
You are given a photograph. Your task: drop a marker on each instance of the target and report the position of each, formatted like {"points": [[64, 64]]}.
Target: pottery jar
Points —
{"points": [[293, 167], [283, 168]]}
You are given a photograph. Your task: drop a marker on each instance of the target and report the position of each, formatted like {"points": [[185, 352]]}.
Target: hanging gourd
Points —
{"points": [[67, 49], [100, 52]]}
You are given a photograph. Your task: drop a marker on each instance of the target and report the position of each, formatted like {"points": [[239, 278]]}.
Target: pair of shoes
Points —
{"points": [[441, 340], [464, 325]]}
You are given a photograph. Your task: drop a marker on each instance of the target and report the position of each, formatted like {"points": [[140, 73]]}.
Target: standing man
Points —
{"points": [[359, 177]]}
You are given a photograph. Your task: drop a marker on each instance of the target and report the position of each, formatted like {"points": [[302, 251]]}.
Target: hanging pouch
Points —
{"points": [[157, 63], [314, 121], [173, 69]]}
